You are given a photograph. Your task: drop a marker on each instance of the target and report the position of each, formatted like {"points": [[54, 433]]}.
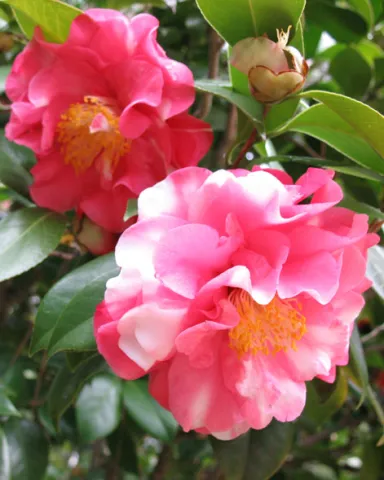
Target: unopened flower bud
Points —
{"points": [[95, 238], [274, 70]]}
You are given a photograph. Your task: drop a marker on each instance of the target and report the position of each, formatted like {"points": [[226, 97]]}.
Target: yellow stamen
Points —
{"points": [[265, 328], [81, 145], [283, 37]]}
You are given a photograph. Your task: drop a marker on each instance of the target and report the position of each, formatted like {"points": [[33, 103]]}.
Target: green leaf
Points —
{"points": [[360, 207], [12, 160], [123, 449], [325, 399], [54, 17], [254, 110], [235, 20], [358, 364], [351, 71], [367, 122], [233, 455], [319, 121], [344, 25], [373, 463], [27, 237], [5, 463], [375, 268], [65, 318], [28, 449], [4, 72], [147, 413], [280, 114], [257, 455], [319, 162], [67, 385], [119, 4], [98, 408], [75, 359], [7, 408], [364, 8]]}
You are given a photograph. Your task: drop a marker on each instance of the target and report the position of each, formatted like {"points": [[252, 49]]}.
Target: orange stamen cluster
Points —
{"points": [[265, 328], [81, 146]]}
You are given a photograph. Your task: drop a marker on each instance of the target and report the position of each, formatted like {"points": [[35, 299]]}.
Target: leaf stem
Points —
{"points": [[244, 150]]}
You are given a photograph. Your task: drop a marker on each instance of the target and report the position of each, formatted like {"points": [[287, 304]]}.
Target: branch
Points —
{"points": [[248, 144], [371, 335]]}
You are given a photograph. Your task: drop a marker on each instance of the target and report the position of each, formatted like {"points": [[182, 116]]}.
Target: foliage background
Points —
{"points": [[63, 414]]}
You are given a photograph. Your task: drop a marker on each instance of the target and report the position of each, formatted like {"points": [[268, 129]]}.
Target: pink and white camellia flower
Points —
{"points": [[105, 113], [235, 289]]}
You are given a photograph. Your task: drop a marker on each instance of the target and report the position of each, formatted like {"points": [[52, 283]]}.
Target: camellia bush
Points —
{"points": [[192, 207]]}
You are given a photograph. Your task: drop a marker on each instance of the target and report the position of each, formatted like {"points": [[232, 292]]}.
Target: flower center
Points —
{"points": [[265, 328], [89, 132]]}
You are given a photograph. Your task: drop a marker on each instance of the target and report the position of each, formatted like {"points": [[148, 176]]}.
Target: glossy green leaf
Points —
{"points": [[375, 269], [250, 18], [323, 123], [65, 318], [53, 16], [364, 8], [358, 364], [147, 413], [28, 449], [367, 122], [361, 207], [352, 72], [257, 455], [325, 399], [233, 455], [67, 385], [12, 160], [75, 359], [5, 461], [344, 25], [27, 237], [254, 110], [324, 163], [98, 408], [7, 408], [279, 114]]}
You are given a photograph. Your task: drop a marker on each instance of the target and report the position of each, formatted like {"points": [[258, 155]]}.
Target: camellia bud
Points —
{"points": [[274, 70], [95, 238]]}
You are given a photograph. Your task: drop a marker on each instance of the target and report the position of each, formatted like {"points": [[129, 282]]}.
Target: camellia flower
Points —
{"points": [[235, 289], [105, 113], [274, 70]]}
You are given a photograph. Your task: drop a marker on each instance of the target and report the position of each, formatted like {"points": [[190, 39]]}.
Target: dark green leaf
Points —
{"points": [[28, 449], [344, 25], [53, 16], [13, 158], [98, 408], [364, 8], [352, 72], [249, 106], [123, 449], [65, 318], [373, 463], [358, 364], [5, 463], [325, 399], [75, 359], [147, 413], [67, 384], [367, 122], [280, 114], [233, 455], [256, 455], [250, 18], [321, 122], [7, 408], [27, 237], [351, 170]]}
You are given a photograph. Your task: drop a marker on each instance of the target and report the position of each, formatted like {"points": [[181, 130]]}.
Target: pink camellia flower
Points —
{"points": [[105, 113], [235, 289]]}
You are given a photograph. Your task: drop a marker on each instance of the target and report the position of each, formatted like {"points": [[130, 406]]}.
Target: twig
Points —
{"points": [[22, 344], [161, 468], [375, 226], [307, 148], [40, 379], [371, 335], [229, 136], [215, 44], [244, 150]]}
